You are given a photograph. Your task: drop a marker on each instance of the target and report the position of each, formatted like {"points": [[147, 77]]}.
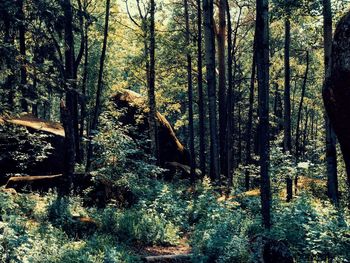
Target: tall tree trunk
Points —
{"points": [[278, 111], [305, 133], [230, 103], [84, 81], [249, 134], [67, 111], [151, 88], [190, 95], [303, 90], [331, 151], [9, 83], [262, 49], [22, 49], [99, 85], [239, 130], [208, 9], [201, 109], [297, 132], [222, 82], [287, 140]]}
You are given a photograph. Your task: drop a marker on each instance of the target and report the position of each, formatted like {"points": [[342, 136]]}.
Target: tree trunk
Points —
{"points": [[305, 133], [251, 109], [151, 88], [287, 140], [67, 111], [201, 109], [84, 82], [99, 85], [262, 49], [222, 82], [303, 90], [230, 103], [22, 51], [331, 151], [208, 9], [9, 82], [190, 95]]}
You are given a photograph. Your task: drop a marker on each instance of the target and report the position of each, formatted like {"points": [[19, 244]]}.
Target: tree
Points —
{"points": [[229, 103], [151, 88], [331, 152], [208, 9], [67, 111], [201, 109], [22, 49], [262, 49], [287, 140], [221, 36], [190, 94], [99, 84], [249, 130]]}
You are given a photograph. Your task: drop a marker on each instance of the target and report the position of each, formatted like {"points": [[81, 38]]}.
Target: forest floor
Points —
{"points": [[183, 248]]}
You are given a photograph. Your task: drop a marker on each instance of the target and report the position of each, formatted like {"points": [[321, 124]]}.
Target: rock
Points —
{"points": [[134, 113], [22, 142], [336, 93]]}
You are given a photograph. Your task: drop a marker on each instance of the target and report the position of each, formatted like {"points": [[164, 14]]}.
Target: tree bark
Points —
{"points": [[190, 95], [208, 9], [303, 90], [287, 140], [84, 82], [22, 51], [251, 108], [230, 103], [331, 151], [67, 110], [201, 109], [151, 88], [262, 49], [222, 82]]}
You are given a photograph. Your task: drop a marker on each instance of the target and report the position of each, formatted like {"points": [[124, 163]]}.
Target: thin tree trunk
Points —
{"points": [[239, 122], [303, 90], [305, 133], [151, 88], [331, 151], [99, 85], [222, 82], [190, 95], [250, 113], [297, 132], [230, 104], [201, 109], [287, 140], [67, 110], [262, 24], [84, 82], [22, 49], [208, 9]]}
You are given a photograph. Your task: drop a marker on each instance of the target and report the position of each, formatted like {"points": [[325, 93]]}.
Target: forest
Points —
{"points": [[174, 131]]}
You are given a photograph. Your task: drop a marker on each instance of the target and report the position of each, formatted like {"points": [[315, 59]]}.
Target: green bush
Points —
{"points": [[313, 230], [136, 225]]}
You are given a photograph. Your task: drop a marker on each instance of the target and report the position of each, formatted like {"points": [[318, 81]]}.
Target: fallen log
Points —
{"points": [[34, 183]]}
